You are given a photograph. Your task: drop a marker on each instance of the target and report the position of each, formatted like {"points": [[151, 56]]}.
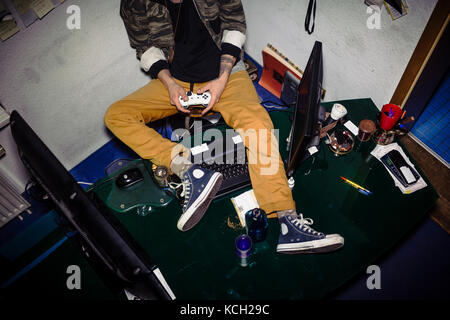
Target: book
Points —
{"points": [[8, 25], [394, 8], [42, 7], [243, 203], [275, 64], [4, 117]]}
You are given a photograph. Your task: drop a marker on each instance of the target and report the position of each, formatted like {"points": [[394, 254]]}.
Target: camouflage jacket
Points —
{"points": [[150, 31]]}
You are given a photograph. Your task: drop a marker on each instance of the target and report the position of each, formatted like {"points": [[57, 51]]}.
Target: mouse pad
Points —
{"points": [[142, 197]]}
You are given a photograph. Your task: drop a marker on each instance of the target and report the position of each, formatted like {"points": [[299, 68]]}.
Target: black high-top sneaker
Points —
{"points": [[199, 186]]}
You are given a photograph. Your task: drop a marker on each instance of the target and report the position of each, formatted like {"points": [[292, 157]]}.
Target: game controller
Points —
{"points": [[196, 99]]}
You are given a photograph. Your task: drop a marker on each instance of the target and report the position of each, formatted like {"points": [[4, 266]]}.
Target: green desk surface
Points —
{"points": [[202, 264]]}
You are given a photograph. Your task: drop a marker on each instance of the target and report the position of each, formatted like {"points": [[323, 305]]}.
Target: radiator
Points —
{"points": [[12, 204]]}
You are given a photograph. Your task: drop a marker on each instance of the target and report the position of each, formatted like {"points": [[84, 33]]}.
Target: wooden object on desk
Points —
{"points": [[275, 64]]}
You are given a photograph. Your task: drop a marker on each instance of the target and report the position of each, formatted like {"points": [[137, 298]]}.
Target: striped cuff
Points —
{"points": [[157, 67], [231, 50], [233, 37], [150, 57]]}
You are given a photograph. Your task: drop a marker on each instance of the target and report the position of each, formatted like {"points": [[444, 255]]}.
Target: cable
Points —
{"points": [[35, 191], [86, 183], [275, 103]]}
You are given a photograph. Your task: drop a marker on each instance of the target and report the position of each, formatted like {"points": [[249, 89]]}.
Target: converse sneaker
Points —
{"points": [[199, 187], [296, 236]]}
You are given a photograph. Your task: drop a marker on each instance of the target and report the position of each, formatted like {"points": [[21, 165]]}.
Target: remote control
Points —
{"points": [[196, 99], [395, 162]]}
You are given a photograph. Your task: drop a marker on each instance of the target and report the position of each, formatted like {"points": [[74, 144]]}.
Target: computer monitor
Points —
{"points": [[305, 128], [101, 233]]}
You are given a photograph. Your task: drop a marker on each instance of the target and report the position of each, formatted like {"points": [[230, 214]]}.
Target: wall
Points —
{"points": [[63, 81], [358, 62]]}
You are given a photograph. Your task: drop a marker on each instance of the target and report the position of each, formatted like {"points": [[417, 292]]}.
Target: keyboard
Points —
{"points": [[235, 176], [230, 159]]}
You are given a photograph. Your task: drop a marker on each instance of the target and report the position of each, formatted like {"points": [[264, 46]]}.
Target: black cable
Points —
{"points": [[275, 103], [277, 107], [27, 191], [35, 191], [311, 10]]}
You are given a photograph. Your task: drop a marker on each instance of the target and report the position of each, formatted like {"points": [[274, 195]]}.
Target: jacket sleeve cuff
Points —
{"points": [[150, 57], [232, 50], [157, 67], [232, 43], [234, 37]]}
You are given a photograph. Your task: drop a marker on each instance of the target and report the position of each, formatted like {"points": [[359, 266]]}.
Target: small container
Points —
{"points": [[341, 142], [383, 137], [366, 129], [161, 174], [390, 114], [243, 248], [256, 224]]}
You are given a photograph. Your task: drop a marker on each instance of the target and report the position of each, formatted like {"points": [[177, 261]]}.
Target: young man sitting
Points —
{"points": [[196, 45]]}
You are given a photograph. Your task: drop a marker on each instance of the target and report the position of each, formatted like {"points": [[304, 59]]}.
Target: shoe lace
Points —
{"points": [[185, 191], [304, 224]]}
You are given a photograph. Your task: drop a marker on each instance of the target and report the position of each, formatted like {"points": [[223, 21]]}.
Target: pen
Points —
{"points": [[403, 115], [357, 186]]}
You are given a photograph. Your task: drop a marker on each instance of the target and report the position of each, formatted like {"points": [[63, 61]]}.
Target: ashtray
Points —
{"points": [[341, 142]]}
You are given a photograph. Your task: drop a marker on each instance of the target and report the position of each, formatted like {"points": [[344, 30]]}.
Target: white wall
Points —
{"points": [[358, 62], [63, 81]]}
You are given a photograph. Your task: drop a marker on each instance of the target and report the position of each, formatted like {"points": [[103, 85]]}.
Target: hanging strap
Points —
{"points": [[311, 10]]}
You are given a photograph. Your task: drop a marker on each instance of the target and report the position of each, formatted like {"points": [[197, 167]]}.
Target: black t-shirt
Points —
{"points": [[196, 57]]}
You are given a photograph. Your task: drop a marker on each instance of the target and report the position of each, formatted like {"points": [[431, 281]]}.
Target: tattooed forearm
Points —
{"points": [[226, 64]]}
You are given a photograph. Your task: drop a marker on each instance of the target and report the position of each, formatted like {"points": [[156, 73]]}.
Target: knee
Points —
{"points": [[111, 114], [118, 113], [257, 119]]}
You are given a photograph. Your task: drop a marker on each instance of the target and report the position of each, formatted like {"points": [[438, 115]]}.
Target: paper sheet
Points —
{"points": [[8, 26], [380, 151], [42, 7], [352, 127], [243, 203], [237, 139], [199, 149], [8, 29]]}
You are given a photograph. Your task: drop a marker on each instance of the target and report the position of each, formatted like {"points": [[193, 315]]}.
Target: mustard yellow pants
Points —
{"points": [[240, 108]]}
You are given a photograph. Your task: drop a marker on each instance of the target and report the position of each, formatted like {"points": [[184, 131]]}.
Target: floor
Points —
{"points": [[417, 269]]}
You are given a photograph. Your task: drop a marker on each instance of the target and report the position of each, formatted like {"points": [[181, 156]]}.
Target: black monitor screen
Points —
{"points": [[97, 226], [306, 113]]}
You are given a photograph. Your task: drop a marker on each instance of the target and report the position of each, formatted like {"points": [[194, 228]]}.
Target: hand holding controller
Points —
{"points": [[196, 99]]}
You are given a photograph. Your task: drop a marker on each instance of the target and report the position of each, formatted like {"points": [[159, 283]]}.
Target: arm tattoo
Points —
{"points": [[226, 64]]}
